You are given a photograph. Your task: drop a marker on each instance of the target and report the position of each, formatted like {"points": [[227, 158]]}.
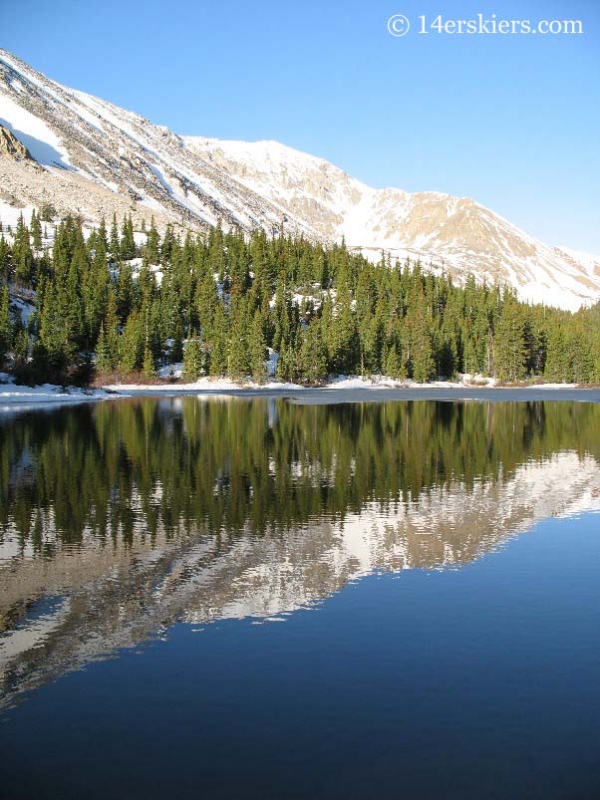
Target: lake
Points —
{"points": [[270, 598]]}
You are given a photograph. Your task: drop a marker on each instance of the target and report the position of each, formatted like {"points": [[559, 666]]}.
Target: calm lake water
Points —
{"points": [[255, 598]]}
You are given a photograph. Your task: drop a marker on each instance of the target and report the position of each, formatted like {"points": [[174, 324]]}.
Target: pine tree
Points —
{"points": [[219, 342], [127, 249], [114, 246], [312, 356], [510, 351], [152, 246], [125, 293], [20, 346], [5, 325], [176, 353], [54, 348], [394, 366], [22, 255], [131, 344], [107, 347], [36, 231], [238, 361], [194, 360], [104, 361], [6, 261], [286, 364], [343, 342], [370, 340], [148, 365], [47, 211], [95, 285], [257, 349]]}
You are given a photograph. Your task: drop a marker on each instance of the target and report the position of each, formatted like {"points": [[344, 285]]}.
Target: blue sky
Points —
{"points": [[510, 120]]}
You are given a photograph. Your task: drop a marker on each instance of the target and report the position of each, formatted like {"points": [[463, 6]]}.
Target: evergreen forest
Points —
{"points": [[113, 304]]}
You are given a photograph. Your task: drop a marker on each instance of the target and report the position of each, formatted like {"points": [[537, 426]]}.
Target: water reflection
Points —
{"points": [[119, 519]]}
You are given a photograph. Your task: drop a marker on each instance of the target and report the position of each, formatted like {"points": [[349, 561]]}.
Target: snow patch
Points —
{"points": [[43, 144]]}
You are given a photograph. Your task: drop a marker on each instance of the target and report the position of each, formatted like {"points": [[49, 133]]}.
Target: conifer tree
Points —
{"points": [[127, 248], [286, 364], [22, 255], [194, 360], [510, 351], [20, 347], [125, 293], [558, 364], [343, 343], [54, 348], [394, 365], [312, 356], [5, 325], [114, 240], [219, 346], [148, 366], [257, 349], [176, 353], [151, 249], [6, 261], [107, 348], [131, 344], [238, 361], [216, 253], [104, 361], [36, 231]]}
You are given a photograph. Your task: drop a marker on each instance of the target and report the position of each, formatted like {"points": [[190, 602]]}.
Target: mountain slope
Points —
{"points": [[453, 234], [94, 158]]}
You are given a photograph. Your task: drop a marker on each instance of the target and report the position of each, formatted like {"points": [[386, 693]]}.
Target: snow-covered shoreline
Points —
{"points": [[12, 394], [342, 389]]}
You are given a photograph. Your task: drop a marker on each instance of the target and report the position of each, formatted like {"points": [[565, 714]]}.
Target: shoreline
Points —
{"points": [[13, 396]]}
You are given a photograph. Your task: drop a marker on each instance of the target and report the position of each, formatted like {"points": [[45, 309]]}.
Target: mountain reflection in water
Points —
{"points": [[119, 519]]}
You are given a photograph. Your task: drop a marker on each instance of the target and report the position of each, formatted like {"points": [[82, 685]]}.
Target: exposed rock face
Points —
{"points": [[11, 147]]}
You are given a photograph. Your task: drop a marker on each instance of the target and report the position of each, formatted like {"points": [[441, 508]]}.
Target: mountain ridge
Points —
{"points": [[98, 159]]}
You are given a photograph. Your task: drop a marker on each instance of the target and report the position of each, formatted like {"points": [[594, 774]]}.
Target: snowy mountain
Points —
{"points": [[451, 234], [94, 158], [91, 157]]}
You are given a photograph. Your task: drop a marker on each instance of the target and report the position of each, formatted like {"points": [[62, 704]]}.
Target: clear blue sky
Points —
{"points": [[510, 120]]}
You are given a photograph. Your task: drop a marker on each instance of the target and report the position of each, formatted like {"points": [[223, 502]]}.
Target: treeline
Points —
{"points": [[108, 306]]}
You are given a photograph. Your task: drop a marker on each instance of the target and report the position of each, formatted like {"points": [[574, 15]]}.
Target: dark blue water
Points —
{"points": [[464, 679]]}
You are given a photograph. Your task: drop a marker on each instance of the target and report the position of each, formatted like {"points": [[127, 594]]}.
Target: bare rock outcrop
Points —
{"points": [[11, 147]]}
